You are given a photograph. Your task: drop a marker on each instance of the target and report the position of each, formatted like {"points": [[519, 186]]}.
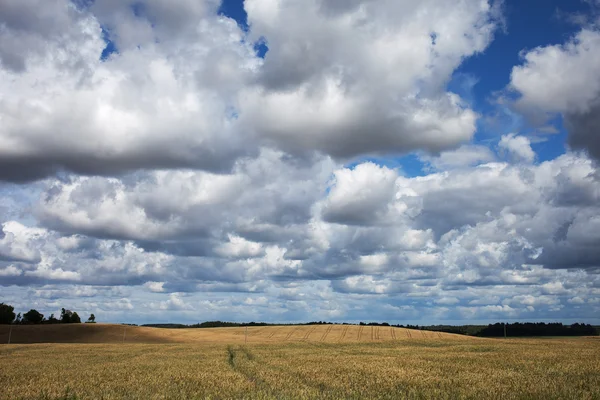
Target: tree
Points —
{"points": [[69, 317], [92, 319], [33, 317], [52, 319], [75, 318], [65, 316], [7, 313]]}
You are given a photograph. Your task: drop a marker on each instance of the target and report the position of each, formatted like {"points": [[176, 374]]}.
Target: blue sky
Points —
{"points": [[301, 160]]}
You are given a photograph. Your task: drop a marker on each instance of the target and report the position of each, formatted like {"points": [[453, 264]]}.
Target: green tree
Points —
{"points": [[69, 317], [92, 319], [75, 318], [33, 317], [65, 316], [7, 313]]}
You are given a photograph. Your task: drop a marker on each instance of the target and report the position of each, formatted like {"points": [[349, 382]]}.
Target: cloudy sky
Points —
{"points": [[410, 161]]}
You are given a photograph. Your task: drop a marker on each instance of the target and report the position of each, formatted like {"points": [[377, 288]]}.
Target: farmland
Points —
{"points": [[326, 361]]}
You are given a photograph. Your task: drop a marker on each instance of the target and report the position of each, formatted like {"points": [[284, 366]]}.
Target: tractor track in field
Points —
{"points": [[307, 334], [344, 331], [424, 334], [372, 333], [408, 334], [289, 335], [360, 329], [393, 333], [273, 333], [439, 335], [326, 333]]}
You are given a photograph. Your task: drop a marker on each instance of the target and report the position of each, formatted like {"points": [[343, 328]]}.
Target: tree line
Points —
{"points": [[538, 329], [8, 316]]}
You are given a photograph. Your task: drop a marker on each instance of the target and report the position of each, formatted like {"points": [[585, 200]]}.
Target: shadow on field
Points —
{"points": [[80, 333]]}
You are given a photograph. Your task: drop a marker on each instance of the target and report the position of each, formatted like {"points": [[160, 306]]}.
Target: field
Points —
{"points": [[106, 333], [326, 361]]}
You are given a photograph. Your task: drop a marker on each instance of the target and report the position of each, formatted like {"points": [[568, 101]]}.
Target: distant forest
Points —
{"points": [[517, 329], [538, 329]]}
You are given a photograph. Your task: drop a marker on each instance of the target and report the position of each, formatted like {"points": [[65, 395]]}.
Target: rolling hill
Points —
{"points": [[112, 333]]}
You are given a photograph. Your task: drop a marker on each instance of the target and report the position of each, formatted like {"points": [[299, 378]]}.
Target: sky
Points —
{"points": [[422, 162]]}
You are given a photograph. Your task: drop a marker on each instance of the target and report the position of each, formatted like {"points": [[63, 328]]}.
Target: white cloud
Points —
{"points": [[576, 300], [156, 287], [560, 78], [517, 147], [330, 80], [19, 243], [464, 156], [153, 105], [183, 175], [10, 270], [563, 79], [360, 195]]}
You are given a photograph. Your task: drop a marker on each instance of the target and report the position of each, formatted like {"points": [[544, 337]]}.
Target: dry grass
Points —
{"points": [[315, 367]]}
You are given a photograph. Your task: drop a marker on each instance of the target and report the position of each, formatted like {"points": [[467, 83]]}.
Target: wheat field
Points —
{"points": [[305, 362], [109, 333]]}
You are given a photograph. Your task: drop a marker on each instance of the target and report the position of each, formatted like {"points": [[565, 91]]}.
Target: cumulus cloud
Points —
{"points": [[53, 31], [260, 198], [19, 243], [464, 156], [563, 79], [518, 148], [185, 88], [181, 176], [431, 238], [152, 105], [330, 79], [361, 195]]}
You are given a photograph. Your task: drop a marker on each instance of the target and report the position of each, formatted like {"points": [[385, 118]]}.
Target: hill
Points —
{"points": [[112, 333]]}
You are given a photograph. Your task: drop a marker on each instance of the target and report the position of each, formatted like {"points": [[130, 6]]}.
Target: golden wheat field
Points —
{"points": [[306, 362], [109, 333]]}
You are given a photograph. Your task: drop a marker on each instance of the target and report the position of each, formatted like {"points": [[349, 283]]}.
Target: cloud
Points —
{"points": [[274, 220], [19, 243], [464, 156], [447, 238], [54, 31], [518, 148], [330, 79], [361, 195], [152, 105], [563, 79], [180, 175], [261, 197], [156, 287], [185, 89]]}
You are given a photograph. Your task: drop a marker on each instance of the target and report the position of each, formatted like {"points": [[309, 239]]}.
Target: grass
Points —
{"points": [[416, 368]]}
